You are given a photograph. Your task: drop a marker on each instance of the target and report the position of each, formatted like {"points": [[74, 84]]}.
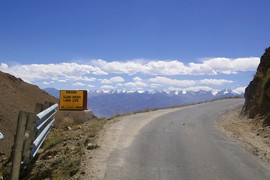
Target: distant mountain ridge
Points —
{"points": [[110, 103]]}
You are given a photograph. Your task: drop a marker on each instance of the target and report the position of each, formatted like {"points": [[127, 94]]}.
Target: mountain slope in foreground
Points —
{"points": [[257, 94], [16, 95], [252, 126]]}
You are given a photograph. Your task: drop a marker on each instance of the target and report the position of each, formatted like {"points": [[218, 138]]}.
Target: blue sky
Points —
{"points": [[134, 44]]}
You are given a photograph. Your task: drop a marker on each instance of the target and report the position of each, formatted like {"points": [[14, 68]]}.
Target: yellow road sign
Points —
{"points": [[73, 100]]}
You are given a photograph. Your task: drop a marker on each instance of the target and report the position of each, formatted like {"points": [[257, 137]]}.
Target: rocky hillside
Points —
{"points": [[257, 94], [16, 95]]}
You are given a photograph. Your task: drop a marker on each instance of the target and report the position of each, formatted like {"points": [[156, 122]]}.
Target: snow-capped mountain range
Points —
{"points": [[109, 103]]}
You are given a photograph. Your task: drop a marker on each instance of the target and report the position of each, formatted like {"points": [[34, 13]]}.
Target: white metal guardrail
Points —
{"points": [[32, 130], [1, 136], [45, 122]]}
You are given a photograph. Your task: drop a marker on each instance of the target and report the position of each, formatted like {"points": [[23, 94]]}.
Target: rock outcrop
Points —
{"points": [[257, 94]]}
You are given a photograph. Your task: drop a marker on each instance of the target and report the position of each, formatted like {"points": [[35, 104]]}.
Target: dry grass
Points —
{"points": [[62, 152], [50, 143], [65, 122], [67, 168]]}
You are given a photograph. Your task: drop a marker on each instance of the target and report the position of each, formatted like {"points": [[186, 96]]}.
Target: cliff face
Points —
{"points": [[257, 94]]}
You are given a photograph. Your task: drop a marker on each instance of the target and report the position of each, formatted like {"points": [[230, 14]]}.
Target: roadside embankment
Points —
{"points": [[251, 133]]}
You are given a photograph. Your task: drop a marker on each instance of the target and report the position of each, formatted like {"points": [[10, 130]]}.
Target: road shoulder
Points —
{"points": [[248, 132]]}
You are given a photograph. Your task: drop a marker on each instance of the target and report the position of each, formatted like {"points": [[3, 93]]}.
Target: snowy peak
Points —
{"points": [[228, 93], [112, 102], [214, 94]]}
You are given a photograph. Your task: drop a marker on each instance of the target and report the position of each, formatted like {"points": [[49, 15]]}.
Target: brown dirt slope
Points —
{"points": [[249, 132], [252, 125], [257, 94], [16, 95]]}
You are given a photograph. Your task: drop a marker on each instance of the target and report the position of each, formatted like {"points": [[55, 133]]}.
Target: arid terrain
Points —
{"points": [[120, 132], [16, 95], [61, 153], [79, 149], [251, 133]]}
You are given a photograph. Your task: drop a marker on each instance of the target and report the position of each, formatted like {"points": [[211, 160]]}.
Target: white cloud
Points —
{"points": [[79, 84], [215, 81], [232, 66], [86, 72], [199, 69], [90, 85], [106, 87], [169, 81], [137, 79], [155, 86], [63, 71], [120, 84], [136, 84], [184, 83], [129, 67], [46, 83], [198, 88], [105, 81], [3, 66], [172, 67], [173, 89], [211, 66], [85, 78], [117, 79], [161, 73]]}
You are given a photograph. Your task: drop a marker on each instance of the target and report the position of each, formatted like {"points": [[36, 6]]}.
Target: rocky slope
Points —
{"points": [[16, 95], [257, 94]]}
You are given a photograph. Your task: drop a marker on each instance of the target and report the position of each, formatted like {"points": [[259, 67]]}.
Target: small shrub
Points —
{"points": [[67, 168], [64, 122], [49, 143]]}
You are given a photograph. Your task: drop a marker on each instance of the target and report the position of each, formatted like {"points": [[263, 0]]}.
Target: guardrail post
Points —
{"points": [[18, 145], [30, 133], [32, 129], [47, 104], [29, 138], [39, 108]]}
